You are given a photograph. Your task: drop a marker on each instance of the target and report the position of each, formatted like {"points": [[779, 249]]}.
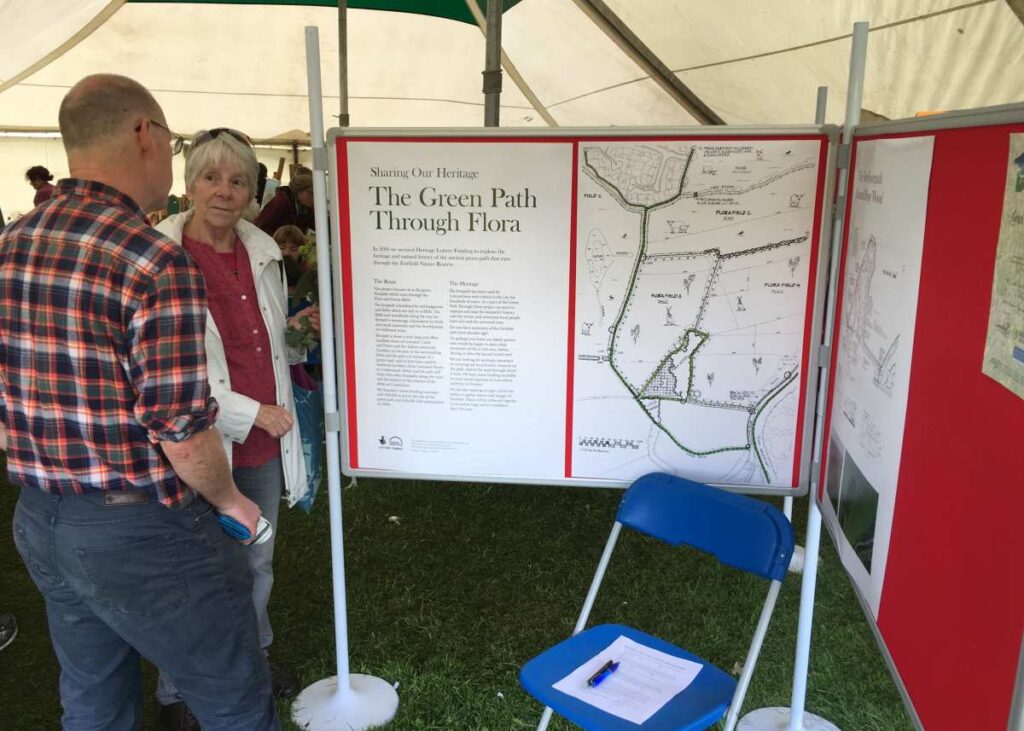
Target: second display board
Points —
{"points": [[579, 308]]}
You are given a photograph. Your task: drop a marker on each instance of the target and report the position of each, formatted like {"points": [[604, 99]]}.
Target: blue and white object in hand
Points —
{"points": [[240, 533]]}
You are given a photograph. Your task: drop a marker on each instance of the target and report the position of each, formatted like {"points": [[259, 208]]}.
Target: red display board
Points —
{"points": [[951, 611]]}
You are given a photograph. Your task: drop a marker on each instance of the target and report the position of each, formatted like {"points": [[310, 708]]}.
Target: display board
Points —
{"points": [[921, 483], [582, 307]]}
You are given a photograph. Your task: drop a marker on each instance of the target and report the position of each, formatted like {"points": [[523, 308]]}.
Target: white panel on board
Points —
{"points": [[580, 309], [460, 263], [693, 264], [1004, 343], [875, 340]]}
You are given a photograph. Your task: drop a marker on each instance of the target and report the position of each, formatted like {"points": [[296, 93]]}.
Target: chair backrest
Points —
{"points": [[740, 531]]}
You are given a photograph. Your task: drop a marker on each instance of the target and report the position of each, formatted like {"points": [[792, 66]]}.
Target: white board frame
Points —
{"points": [[822, 285]]}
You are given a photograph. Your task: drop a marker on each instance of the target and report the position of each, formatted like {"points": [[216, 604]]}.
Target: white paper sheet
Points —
{"points": [[693, 265], [460, 271], [875, 340], [645, 680], [1004, 343]]}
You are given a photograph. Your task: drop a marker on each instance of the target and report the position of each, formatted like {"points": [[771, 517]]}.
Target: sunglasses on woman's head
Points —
{"points": [[212, 134]]}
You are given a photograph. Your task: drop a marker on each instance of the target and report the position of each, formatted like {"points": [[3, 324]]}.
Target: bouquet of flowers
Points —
{"points": [[306, 288], [300, 332]]}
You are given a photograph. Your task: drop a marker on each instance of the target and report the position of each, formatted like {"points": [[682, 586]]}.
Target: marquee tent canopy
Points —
{"points": [[241, 63]]}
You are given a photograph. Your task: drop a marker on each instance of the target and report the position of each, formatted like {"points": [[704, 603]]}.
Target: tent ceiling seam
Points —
{"points": [[726, 62], [1017, 6], [271, 95], [87, 30], [825, 41], [638, 51]]}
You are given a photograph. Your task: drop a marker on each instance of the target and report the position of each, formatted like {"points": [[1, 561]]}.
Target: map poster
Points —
{"points": [[695, 277], [1004, 344], [874, 341], [457, 309]]}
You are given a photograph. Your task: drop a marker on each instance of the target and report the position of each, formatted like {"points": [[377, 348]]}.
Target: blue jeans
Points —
{"points": [[264, 486], [142, 579]]}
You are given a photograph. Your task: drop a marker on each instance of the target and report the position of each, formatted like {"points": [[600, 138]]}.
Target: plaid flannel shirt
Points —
{"points": [[102, 324]]}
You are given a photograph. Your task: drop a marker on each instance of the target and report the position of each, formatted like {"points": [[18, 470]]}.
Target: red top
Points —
{"points": [[235, 308], [282, 210], [43, 194]]}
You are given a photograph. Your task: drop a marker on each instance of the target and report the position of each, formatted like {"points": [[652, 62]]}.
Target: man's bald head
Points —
{"points": [[102, 107], [115, 133]]}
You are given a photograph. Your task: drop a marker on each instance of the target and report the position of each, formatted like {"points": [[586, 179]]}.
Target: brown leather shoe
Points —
{"points": [[178, 717]]}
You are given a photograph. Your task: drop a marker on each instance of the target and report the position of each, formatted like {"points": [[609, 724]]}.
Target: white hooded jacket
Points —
{"points": [[238, 412]]}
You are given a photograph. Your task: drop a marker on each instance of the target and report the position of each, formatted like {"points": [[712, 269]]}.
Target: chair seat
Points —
{"points": [[699, 706]]}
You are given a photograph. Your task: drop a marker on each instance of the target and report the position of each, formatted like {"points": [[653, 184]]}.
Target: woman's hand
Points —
{"points": [[312, 312], [274, 420]]}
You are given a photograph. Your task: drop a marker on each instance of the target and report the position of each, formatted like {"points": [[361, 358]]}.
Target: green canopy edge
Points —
{"points": [[451, 9]]}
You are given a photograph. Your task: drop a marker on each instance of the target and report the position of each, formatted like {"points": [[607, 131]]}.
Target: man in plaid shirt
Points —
{"points": [[106, 417]]}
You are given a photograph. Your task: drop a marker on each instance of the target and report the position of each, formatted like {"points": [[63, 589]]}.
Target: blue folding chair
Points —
{"points": [[741, 532]]}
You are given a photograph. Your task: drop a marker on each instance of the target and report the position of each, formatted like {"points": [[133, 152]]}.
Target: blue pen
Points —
{"points": [[602, 674]]}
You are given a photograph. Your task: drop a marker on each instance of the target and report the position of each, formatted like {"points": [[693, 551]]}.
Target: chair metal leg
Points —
{"points": [[733, 715], [595, 584], [588, 603]]}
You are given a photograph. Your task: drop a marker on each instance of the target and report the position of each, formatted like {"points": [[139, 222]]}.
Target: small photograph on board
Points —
{"points": [[836, 452], [858, 511]]}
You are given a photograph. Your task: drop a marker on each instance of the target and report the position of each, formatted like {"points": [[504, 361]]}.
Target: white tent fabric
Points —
{"points": [[244, 66], [751, 62], [29, 46]]}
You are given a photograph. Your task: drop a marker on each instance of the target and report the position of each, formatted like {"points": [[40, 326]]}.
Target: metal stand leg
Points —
{"points": [[345, 702]]}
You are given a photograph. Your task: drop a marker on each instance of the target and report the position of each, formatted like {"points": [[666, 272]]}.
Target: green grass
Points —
{"points": [[451, 587]]}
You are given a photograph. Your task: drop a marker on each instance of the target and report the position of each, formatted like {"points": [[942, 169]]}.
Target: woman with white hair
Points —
{"points": [[247, 356]]}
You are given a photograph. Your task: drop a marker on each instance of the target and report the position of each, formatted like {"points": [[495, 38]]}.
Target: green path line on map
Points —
{"points": [[757, 412]]}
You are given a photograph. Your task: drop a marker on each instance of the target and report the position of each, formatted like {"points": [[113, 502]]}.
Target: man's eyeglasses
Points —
{"points": [[177, 141], [212, 134]]}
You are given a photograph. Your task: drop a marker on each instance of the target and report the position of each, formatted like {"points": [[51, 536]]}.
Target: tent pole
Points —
{"points": [[645, 58], [796, 718], [1016, 722], [854, 94], [492, 67], [511, 70], [343, 118], [346, 702]]}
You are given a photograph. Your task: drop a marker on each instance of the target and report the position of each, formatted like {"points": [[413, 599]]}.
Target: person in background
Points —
{"points": [[39, 178], [289, 239], [245, 346], [107, 420], [291, 205], [261, 185], [270, 187]]}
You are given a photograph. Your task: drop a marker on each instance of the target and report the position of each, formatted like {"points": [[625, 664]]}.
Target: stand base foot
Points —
{"points": [[369, 703], [796, 564], [777, 719]]}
